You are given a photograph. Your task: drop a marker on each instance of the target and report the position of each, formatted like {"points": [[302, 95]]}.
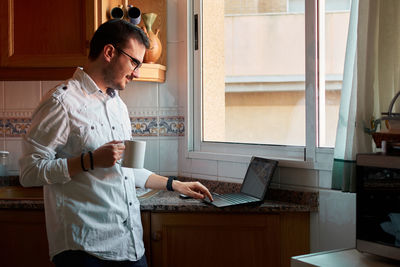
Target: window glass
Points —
{"points": [[253, 72], [332, 55]]}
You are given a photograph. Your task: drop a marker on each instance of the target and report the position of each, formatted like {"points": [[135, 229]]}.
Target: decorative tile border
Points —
{"points": [[141, 126], [172, 126], [16, 127], [144, 126]]}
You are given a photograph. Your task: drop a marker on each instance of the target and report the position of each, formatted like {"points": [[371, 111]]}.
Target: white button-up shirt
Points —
{"points": [[95, 211]]}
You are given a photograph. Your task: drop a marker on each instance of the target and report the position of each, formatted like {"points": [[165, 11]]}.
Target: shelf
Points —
{"points": [[152, 73], [148, 73]]}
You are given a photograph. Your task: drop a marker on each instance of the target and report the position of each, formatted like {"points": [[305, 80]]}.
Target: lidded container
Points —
{"points": [[4, 163]]}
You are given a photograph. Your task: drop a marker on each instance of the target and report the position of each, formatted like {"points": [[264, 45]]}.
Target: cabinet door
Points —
{"points": [[45, 33], [196, 240], [23, 239]]}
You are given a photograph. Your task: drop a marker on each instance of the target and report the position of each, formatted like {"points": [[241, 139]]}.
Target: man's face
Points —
{"points": [[121, 69]]}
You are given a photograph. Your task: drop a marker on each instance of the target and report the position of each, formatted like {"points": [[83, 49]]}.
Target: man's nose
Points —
{"points": [[134, 74]]}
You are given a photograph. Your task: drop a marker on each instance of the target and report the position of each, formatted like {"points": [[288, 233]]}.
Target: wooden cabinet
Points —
{"points": [[199, 240], [23, 239], [177, 239], [47, 39]]}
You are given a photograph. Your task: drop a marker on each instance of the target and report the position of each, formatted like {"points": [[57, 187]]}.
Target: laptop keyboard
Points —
{"points": [[233, 199]]}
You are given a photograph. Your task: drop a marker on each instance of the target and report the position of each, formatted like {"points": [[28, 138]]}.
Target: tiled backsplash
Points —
{"points": [[141, 126], [161, 128]]}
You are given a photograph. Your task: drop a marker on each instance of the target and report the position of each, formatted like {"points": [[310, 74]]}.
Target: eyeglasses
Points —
{"points": [[135, 62]]}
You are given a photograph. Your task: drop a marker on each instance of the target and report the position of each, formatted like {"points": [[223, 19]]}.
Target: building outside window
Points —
{"points": [[252, 70]]}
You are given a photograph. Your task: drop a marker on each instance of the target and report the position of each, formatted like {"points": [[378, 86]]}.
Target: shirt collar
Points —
{"points": [[87, 83]]}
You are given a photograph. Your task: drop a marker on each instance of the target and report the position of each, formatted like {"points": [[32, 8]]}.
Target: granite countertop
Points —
{"points": [[14, 196]]}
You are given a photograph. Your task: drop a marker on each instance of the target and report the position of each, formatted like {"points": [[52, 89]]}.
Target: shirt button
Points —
{"points": [[113, 128], [92, 127], [126, 178], [130, 203]]}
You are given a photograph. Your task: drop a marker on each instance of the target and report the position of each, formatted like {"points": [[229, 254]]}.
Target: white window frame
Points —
{"points": [[309, 156]]}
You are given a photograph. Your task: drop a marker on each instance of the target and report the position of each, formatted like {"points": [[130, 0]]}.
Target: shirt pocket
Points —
{"points": [[92, 136]]}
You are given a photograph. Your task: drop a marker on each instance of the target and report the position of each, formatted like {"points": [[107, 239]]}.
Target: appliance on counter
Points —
{"points": [[378, 205]]}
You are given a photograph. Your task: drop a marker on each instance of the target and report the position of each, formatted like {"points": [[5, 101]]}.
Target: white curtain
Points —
{"points": [[370, 80]]}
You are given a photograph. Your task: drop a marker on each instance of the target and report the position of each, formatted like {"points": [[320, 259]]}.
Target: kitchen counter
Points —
{"points": [[18, 197]]}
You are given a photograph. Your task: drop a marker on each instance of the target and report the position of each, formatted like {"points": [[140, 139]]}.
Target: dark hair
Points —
{"points": [[116, 32]]}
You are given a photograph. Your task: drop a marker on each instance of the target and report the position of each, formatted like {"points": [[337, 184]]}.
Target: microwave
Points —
{"points": [[378, 205]]}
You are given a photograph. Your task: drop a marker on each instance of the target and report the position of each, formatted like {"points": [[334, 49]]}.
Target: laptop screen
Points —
{"points": [[258, 176]]}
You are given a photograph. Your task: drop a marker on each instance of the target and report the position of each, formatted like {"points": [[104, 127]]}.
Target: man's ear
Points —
{"points": [[108, 52]]}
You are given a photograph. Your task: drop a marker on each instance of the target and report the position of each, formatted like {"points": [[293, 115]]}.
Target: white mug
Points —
{"points": [[134, 154]]}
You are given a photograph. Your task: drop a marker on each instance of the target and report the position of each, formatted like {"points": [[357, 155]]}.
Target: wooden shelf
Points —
{"points": [[148, 73], [152, 73]]}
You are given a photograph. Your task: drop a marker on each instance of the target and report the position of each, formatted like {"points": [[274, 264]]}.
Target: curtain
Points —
{"points": [[370, 80]]}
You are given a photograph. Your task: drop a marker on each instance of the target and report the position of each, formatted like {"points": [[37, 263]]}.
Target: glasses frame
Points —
{"points": [[135, 62]]}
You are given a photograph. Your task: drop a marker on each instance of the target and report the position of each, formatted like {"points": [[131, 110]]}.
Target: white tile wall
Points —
{"points": [[169, 89], [21, 95], [47, 85], [140, 94], [184, 164], [1, 95], [337, 218], [172, 20], [205, 167], [14, 146], [230, 180], [233, 170], [182, 75], [169, 156], [325, 179], [151, 160], [303, 177]]}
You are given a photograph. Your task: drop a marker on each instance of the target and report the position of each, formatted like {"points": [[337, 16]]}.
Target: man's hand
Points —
{"points": [[192, 189], [108, 154]]}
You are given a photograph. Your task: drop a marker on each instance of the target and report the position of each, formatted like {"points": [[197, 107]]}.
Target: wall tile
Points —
{"points": [[16, 127], [169, 156], [21, 95], [337, 220], [205, 167], [151, 160], [325, 179], [182, 16], [230, 180], [140, 94], [182, 75], [300, 177], [172, 20], [171, 126], [15, 149], [314, 232], [47, 85], [169, 89], [1, 95], [144, 126], [2, 132], [184, 164], [204, 177], [232, 170]]}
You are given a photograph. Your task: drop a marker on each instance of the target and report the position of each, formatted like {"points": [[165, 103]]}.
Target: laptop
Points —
{"points": [[254, 187]]}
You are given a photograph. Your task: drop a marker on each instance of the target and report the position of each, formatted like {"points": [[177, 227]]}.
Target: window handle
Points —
{"points": [[196, 32]]}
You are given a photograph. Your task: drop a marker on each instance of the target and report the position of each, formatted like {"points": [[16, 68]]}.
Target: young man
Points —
{"points": [[74, 148]]}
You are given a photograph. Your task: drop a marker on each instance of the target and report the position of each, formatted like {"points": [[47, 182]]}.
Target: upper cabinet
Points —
{"points": [[48, 39]]}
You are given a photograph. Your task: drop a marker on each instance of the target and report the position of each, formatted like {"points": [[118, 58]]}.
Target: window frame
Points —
{"points": [[309, 156]]}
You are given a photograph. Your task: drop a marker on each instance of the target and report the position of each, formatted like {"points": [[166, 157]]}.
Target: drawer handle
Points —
{"points": [[156, 236]]}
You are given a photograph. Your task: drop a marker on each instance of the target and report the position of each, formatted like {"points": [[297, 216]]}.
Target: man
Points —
{"points": [[74, 148]]}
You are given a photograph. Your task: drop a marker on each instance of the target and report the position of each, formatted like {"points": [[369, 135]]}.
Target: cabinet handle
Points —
{"points": [[156, 236]]}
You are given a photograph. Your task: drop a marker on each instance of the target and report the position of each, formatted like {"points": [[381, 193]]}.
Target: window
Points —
{"points": [[263, 80]]}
